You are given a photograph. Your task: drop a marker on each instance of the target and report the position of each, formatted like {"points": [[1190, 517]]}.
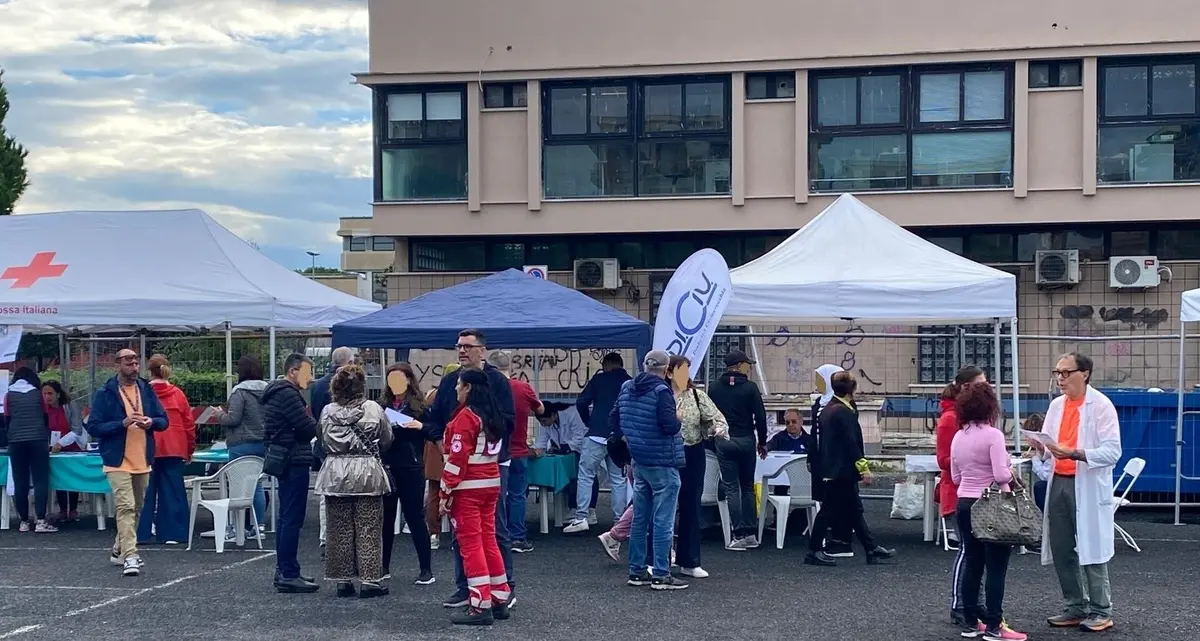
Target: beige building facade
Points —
{"points": [[536, 132]]}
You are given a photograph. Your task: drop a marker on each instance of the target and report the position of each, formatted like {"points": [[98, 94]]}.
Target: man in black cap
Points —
{"points": [[741, 402]]}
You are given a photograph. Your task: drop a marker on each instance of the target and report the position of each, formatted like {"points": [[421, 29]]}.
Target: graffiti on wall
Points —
{"points": [[851, 350], [1117, 362], [560, 371]]}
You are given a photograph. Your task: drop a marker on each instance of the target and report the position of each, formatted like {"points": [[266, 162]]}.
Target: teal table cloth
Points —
{"points": [[3, 469], [554, 472], [218, 457], [78, 473]]}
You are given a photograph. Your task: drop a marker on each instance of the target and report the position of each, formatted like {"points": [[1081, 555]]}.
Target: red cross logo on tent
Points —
{"points": [[42, 266]]}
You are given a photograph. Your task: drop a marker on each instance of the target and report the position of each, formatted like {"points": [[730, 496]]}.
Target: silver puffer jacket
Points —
{"points": [[350, 468]]}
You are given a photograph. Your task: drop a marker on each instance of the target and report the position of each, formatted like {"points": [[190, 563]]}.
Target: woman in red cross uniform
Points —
{"points": [[470, 491]]}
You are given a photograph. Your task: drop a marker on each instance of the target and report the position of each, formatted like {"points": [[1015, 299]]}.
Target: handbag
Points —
{"points": [[372, 448], [1006, 518], [706, 424], [276, 459]]}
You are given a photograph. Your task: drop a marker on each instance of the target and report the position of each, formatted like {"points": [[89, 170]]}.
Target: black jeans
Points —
{"points": [[30, 460], [409, 495], [981, 559], [842, 511], [691, 489], [737, 459]]}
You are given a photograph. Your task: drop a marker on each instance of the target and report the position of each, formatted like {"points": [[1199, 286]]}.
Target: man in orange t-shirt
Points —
{"points": [[123, 413]]}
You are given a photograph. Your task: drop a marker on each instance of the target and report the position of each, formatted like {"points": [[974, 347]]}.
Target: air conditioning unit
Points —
{"points": [[597, 273], [1057, 267], [1133, 272]]}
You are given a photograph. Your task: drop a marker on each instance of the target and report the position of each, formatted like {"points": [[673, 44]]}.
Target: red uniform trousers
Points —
{"points": [[473, 515]]}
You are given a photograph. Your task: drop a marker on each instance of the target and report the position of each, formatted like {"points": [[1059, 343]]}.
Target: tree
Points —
{"points": [[13, 177], [320, 271]]}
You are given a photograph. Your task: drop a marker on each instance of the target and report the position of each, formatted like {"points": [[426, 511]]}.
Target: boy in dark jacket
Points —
{"points": [[287, 423], [123, 414], [647, 416], [843, 466]]}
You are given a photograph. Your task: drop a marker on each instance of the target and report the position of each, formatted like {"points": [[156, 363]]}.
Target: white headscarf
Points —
{"points": [[826, 372]]}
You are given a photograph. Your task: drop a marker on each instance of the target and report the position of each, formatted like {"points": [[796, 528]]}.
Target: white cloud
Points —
{"points": [[243, 108]]}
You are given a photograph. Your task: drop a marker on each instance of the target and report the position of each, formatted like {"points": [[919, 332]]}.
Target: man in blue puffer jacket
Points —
{"points": [[646, 415]]}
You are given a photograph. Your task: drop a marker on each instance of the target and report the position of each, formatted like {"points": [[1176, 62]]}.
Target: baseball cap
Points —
{"points": [[737, 357], [656, 359]]}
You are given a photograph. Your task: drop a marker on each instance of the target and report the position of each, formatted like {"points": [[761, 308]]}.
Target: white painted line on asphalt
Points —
{"points": [[64, 587], [124, 597], [1139, 539]]}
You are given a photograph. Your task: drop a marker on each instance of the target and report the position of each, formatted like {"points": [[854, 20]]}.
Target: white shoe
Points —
{"points": [[696, 573], [133, 566], [23, 527], [42, 527], [406, 530], [612, 547], [592, 520], [576, 526]]}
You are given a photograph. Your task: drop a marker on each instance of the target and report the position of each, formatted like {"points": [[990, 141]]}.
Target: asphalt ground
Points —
{"points": [[62, 586]]}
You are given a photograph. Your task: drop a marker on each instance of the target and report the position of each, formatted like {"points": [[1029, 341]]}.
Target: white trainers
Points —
{"points": [[592, 520], [23, 527], [612, 547], [406, 530], [696, 573], [44, 527], [576, 526], [133, 566]]}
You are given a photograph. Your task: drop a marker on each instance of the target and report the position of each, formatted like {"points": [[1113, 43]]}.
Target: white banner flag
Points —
{"points": [[10, 339], [692, 305]]}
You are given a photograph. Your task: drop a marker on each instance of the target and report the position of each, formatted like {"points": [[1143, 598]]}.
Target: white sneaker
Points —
{"points": [[114, 557], [406, 530], [592, 520], [435, 541], [612, 547], [133, 566], [575, 526], [23, 527], [696, 573], [744, 543], [42, 527]]}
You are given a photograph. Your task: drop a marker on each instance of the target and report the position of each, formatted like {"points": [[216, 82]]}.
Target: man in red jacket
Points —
{"points": [[947, 491]]}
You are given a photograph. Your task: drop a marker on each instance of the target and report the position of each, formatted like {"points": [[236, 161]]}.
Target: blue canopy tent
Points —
{"points": [[514, 311]]}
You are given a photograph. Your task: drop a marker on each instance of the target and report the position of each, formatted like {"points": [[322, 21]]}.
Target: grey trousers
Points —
{"points": [[1085, 588]]}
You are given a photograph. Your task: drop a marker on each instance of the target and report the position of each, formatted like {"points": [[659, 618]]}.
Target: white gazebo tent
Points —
{"points": [[169, 270], [1189, 312], [851, 262]]}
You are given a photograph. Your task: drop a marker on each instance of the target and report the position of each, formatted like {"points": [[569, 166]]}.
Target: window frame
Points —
{"points": [[382, 142], [509, 89], [1053, 69], [772, 78], [636, 134], [387, 240], [1149, 62]]}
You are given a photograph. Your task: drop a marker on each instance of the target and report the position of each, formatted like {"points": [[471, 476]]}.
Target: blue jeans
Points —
{"points": [[655, 497], [260, 497], [166, 503], [293, 506], [593, 456], [518, 487], [502, 539]]}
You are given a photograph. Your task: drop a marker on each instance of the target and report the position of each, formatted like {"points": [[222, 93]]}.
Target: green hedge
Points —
{"points": [[202, 388]]}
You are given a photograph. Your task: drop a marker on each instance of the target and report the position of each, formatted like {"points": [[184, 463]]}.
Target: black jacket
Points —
{"points": [[26, 414], [286, 421], [741, 403], [596, 400], [840, 442], [319, 397], [446, 401], [408, 446]]}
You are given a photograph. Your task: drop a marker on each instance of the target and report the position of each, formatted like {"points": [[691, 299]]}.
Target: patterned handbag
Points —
{"points": [[1006, 518]]}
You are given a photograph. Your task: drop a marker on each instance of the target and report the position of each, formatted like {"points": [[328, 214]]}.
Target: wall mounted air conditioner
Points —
{"points": [[1057, 267], [1133, 272], [597, 273]]}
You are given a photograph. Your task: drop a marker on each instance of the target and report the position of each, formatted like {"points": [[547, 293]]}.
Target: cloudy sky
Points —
{"points": [[243, 108]]}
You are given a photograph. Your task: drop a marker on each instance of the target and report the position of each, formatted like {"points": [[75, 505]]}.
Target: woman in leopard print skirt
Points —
{"points": [[353, 482]]}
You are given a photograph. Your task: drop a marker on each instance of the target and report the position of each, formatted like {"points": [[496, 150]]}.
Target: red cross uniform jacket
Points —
{"points": [[471, 461]]}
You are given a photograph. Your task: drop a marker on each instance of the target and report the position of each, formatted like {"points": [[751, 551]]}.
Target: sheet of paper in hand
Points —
{"points": [[1040, 437], [396, 417]]}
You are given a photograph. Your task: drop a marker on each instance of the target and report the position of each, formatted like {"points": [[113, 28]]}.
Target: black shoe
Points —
{"points": [[307, 578], [370, 590], [295, 586], [472, 616], [345, 589], [839, 551], [639, 580], [500, 612], [426, 578], [958, 618], [668, 582], [457, 600], [879, 553], [522, 547], [819, 559]]}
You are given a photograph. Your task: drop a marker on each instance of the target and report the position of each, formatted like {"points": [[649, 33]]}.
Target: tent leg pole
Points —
{"points": [[91, 365], [271, 348], [758, 368], [64, 363], [1016, 384], [142, 346], [537, 373], [1179, 424], [228, 359]]}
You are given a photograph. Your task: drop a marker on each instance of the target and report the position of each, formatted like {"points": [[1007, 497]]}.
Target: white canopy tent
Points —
{"points": [[851, 262], [1189, 312], [171, 270]]}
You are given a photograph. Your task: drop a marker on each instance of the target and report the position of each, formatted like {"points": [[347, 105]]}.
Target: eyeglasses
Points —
{"points": [[1063, 373], [463, 347], [791, 421]]}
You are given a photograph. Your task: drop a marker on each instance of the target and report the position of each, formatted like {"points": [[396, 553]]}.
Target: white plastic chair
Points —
{"points": [[943, 534], [1133, 469], [237, 480], [799, 497], [711, 494]]}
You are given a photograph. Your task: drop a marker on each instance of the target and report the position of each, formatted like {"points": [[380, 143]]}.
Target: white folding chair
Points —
{"points": [[943, 534], [237, 480], [711, 494], [1133, 469], [799, 497]]}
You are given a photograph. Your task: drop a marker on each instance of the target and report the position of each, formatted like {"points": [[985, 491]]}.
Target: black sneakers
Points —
{"points": [[639, 580], [457, 600], [668, 582], [879, 553], [472, 616]]}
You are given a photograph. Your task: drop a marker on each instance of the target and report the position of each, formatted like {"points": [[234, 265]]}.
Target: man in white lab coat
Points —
{"points": [[1078, 519]]}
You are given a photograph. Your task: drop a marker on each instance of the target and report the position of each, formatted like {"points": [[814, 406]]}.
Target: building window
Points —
{"points": [[383, 244], [1055, 73], [1130, 243], [422, 142], [941, 356], [615, 138], [447, 256], [355, 244], [1178, 244], [990, 248], [1149, 130], [505, 95], [911, 128], [769, 86]]}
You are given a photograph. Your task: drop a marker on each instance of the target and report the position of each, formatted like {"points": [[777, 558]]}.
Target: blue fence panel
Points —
{"points": [[1148, 422]]}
